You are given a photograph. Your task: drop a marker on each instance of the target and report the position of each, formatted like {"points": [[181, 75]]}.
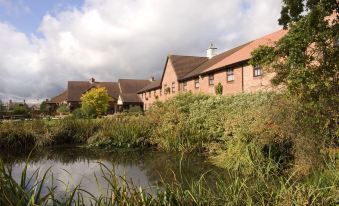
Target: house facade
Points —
{"points": [[202, 74], [123, 94]]}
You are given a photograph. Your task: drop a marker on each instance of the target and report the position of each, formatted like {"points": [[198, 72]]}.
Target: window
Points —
{"points": [[173, 87], [196, 83], [230, 74], [257, 71], [165, 89], [160, 91], [154, 93], [211, 79], [149, 94], [184, 86], [142, 95]]}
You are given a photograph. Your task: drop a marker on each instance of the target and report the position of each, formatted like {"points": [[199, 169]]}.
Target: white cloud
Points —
{"points": [[123, 39]]}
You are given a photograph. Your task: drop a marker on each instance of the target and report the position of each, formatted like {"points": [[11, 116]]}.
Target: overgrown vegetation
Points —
{"points": [[262, 187], [277, 150], [239, 131]]}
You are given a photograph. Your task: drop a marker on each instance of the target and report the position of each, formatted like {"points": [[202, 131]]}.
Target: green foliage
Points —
{"points": [[63, 109], [125, 131], [44, 107], [306, 59], [21, 110], [135, 110], [218, 89], [293, 11], [78, 113], [95, 102], [260, 188], [240, 131]]}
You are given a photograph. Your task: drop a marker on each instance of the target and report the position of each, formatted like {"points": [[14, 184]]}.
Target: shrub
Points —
{"points": [[21, 110], [63, 109], [218, 89]]}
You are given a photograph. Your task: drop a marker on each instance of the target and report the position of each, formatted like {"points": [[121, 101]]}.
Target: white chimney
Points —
{"points": [[91, 80], [152, 79], [211, 51]]}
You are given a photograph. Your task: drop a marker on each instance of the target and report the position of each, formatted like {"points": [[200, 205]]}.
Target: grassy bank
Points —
{"points": [[278, 151], [237, 131]]}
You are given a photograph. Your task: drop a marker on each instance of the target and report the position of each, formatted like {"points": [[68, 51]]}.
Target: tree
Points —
{"points": [[306, 59], [95, 102], [21, 110], [43, 107]]}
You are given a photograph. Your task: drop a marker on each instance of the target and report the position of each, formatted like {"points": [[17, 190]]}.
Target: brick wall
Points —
{"points": [[244, 80], [169, 78]]}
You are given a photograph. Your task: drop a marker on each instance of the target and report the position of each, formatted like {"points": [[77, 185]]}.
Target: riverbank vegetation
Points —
{"points": [[275, 149]]}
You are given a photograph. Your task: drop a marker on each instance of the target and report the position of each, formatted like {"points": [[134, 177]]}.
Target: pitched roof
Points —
{"points": [[151, 86], [130, 98], [59, 98], [244, 53], [200, 69], [184, 64], [77, 88], [235, 55], [132, 85]]}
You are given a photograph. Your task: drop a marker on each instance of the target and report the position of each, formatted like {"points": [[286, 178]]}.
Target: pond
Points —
{"points": [[71, 166]]}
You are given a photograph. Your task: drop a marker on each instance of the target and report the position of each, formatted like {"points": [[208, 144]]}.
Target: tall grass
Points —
{"points": [[262, 187]]}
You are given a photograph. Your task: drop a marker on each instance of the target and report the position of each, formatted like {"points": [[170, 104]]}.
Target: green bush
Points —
{"points": [[63, 109], [21, 110]]}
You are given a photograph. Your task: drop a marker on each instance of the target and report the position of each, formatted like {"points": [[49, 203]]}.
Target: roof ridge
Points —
{"points": [[178, 55]]}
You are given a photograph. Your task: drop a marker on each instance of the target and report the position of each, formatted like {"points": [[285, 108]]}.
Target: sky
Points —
{"points": [[45, 43]]}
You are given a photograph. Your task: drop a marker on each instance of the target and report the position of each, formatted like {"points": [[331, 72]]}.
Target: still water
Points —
{"points": [[72, 166]]}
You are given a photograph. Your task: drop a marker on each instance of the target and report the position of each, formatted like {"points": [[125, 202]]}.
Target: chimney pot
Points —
{"points": [[91, 80], [211, 51]]}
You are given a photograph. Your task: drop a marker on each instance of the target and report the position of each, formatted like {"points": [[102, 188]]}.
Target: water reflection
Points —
{"points": [[72, 166]]}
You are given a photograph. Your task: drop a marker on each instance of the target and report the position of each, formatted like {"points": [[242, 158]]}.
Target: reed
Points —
{"points": [[262, 187]]}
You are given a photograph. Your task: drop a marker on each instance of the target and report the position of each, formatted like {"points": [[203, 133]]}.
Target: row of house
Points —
{"points": [[181, 73], [201, 74]]}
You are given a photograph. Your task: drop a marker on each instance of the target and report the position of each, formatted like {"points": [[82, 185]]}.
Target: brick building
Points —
{"points": [[201, 74]]}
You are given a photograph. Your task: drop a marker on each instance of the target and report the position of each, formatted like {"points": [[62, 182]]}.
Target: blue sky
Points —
{"points": [[26, 15], [45, 43]]}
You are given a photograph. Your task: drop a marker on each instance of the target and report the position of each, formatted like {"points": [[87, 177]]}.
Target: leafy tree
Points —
{"points": [[95, 102], [218, 89], [306, 59], [63, 109], [21, 110], [44, 107]]}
